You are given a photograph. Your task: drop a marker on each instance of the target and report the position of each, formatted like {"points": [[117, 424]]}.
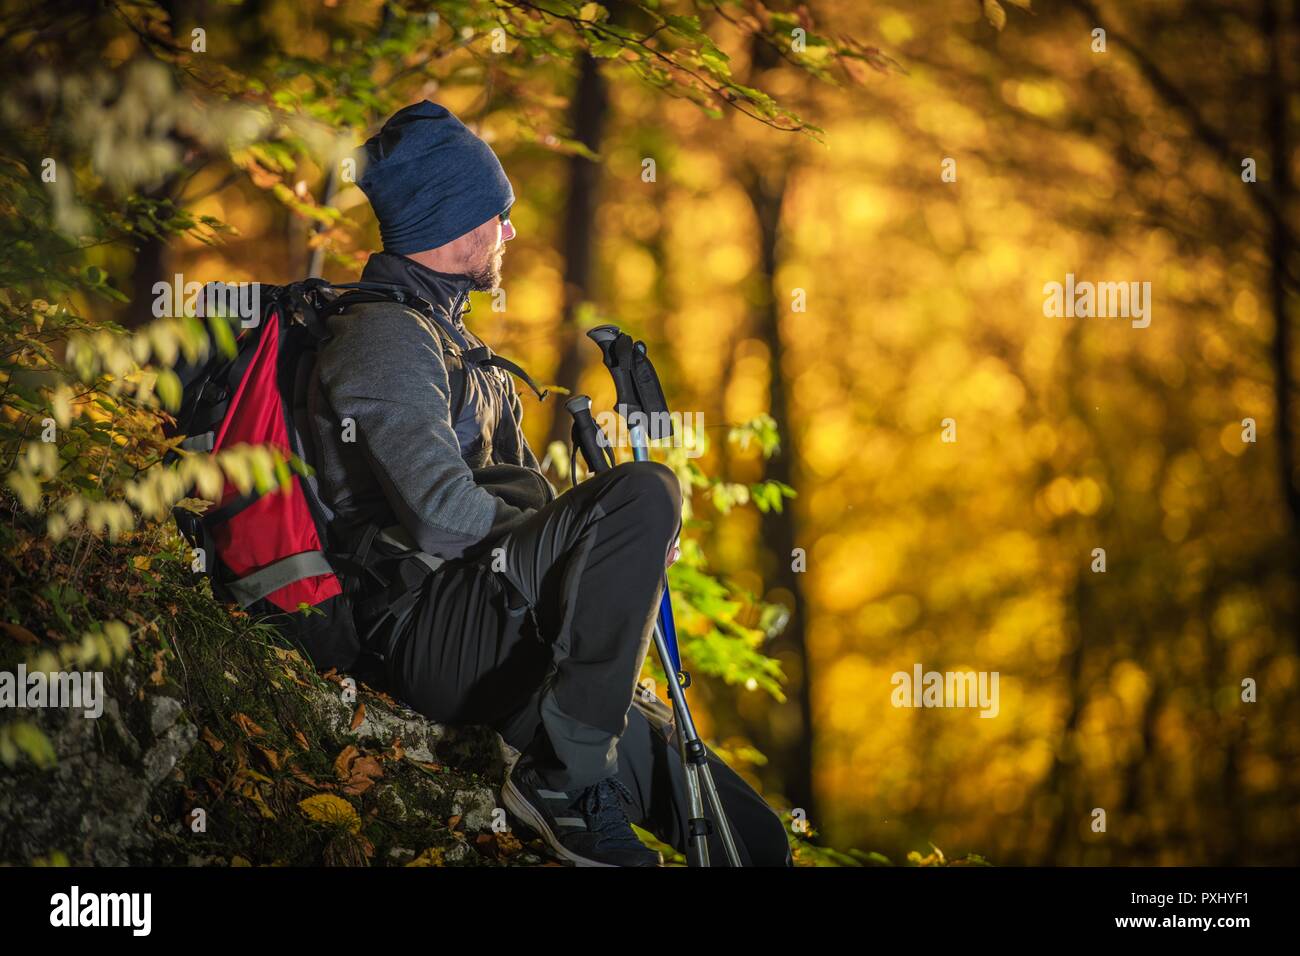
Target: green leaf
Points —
{"points": [[31, 740], [169, 389], [605, 49], [224, 336], [688, 27]]}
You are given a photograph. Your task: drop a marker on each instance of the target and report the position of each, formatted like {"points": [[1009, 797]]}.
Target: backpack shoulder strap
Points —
{"points": [[307, 299], [482, 355]]}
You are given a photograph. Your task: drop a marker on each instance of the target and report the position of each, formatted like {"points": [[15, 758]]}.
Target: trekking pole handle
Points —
{"points": [[586, 433], [625, 394], [604, 336]]}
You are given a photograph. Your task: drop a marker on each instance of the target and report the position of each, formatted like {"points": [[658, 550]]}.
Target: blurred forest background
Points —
{"points": [[800, 253]]}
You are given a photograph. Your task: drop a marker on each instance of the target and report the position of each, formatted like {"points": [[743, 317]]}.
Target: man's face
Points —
{"points": [[487, 249]]}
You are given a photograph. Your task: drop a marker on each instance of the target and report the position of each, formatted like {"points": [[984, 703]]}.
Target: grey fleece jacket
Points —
{"points": [[388, 449]]}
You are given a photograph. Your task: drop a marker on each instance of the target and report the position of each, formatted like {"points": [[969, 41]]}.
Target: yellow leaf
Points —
{"points": [[26, 487], [995, 14], [251, 791], [61, 405], [329, 809], [430, 857], [236, 465]]}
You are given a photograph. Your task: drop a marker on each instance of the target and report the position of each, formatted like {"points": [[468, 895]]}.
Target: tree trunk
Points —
{"points": [[150, 267], [789, 737], [590, 105], [1279, 257], [316, 256]]}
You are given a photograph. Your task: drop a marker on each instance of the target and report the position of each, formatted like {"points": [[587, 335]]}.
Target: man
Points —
{"points": [[539, 617]]}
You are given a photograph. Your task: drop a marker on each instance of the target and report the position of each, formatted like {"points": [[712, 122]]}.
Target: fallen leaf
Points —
{"points": [[251, 791], [497, 845], [303, 777], [241, 756], [358, 785], [272, 758], [248, 725], [362, 775], [359, 716], [156, 677], [343, 762], [430, 857], [212, 740], [334, 811], [508, 844], [19, 633]]}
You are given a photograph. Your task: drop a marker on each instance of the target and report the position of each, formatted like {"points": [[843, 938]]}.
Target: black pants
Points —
{"points": [[543, 638]]}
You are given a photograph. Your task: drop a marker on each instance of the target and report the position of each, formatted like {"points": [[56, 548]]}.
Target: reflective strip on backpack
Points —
{"points": [[203, 442], [253, 587]]}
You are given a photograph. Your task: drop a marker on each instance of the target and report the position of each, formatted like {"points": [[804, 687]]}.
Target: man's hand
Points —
{"points": [[674, 553]]}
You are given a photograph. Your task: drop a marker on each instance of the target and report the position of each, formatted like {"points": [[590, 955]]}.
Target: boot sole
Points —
{"points": [[519, 805]]}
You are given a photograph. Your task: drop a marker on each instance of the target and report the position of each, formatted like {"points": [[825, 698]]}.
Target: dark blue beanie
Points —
{"points": [[430, 180]]}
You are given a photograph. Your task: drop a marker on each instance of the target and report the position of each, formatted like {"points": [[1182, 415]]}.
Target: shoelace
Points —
{"points": [[601, 804]]}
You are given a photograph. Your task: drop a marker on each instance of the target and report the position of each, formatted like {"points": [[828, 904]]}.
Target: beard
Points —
{"points": [[486, 276]]}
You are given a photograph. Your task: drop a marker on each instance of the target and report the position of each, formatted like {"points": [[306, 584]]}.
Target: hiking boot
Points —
{"points": [[587, 827]]}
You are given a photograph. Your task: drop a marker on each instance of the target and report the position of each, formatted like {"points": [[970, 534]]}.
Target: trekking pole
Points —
{"points": [[640, 400]]}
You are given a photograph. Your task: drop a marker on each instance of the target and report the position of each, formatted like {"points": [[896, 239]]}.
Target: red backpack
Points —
{"points": [[272, 553]]}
